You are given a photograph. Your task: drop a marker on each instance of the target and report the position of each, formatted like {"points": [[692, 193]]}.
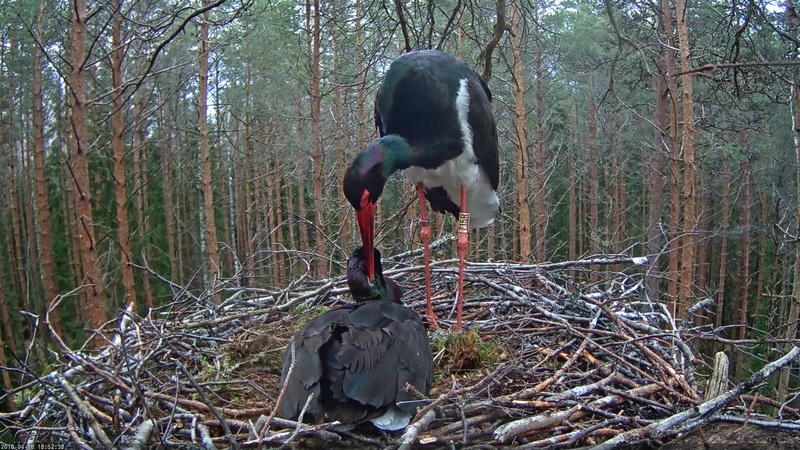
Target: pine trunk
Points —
{"points": [[206, 183], [46, 256], [794, 307], [674, 155], [520, 115], [139, 158], [762, 257], [169, 202], [249, 205], [278, 202], [723, 251], [80, 170], [9, 386], [345, 211], [689, 165], [16, 216], [315, 98], [744, 250], [539, 168], [118, 145], [594, 181]]}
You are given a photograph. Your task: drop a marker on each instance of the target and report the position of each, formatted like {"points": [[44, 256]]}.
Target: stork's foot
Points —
{"points": [[429, 320]]}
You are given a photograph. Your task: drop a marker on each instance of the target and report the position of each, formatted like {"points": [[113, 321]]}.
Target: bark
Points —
{"points": [[702, 241], [249, 206], [140, 196], [689, 164], [301, 215], [80, 170], [10, 338], [345, 211], [271, 173], [81, 306], [206, 183], [224, 192], [169, 202], [744, 259], [594, 180], [278, 202], [794, 306], [14, 200], [363, 121], [520, 114], [673, 151], [117, 143], [723, 251], [744, 250], [762, 255], [539, 168], [32, 237], [46, 257], [315, 97]]}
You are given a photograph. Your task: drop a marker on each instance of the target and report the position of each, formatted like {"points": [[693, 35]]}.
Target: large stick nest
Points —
{"points": [[548, 362]]}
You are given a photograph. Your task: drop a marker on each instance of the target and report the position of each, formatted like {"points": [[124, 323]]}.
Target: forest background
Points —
{"points": [[152, 146]]}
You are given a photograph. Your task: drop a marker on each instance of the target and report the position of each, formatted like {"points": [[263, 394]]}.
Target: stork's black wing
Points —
{"points": [[356, 360], [484, 129]]}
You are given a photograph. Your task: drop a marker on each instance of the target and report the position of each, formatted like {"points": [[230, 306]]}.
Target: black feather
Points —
{"points": [[357, 358]]}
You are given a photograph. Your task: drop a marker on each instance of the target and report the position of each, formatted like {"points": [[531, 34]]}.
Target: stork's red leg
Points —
{"points": [[425, 233], [463, 235]]}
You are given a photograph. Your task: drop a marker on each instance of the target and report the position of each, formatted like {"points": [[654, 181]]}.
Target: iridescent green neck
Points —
{"points": [[394, 153]]}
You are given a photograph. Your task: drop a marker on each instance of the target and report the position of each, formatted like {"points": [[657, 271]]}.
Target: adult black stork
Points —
{"points": [[434, 116], [357, 358]]}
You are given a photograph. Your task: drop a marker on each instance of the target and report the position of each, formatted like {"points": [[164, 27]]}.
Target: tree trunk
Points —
{"points": [[224, 192], [169, 202], [9, 386], [206, 183], [271, 173], [46, 256], [723, 251], [744, 254], [687, 143], [794, 308], [277, 201], [539, 167], [573, 194], [249, 205], [594, 181], [315, 97], [301, 188], [140, 196], [16, 217], [345, 211], [743, 281], [674, 162], [117, 143], [520, 114], [80, 169], [762, 256]]}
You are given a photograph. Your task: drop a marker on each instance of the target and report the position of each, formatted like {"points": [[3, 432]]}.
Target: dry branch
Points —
{"points": [[572, 364]]}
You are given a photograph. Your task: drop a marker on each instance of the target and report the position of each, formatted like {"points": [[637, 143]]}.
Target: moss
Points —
{"points": [[465, 351]]}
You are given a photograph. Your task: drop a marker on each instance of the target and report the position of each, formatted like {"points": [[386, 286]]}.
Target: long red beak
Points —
{"points": [[366, 224]]}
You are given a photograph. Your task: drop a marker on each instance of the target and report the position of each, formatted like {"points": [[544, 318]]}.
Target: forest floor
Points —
{"points": [[547, 362]]}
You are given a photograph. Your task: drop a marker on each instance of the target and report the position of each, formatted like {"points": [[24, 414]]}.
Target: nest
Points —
{"points": [[547, 362]]}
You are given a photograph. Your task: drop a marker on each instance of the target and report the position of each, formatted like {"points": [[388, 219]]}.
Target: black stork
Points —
{"points": [[357, 358], [434, 116]]}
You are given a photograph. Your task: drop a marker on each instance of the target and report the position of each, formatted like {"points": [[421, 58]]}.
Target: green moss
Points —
{"points": [[465, 351]]}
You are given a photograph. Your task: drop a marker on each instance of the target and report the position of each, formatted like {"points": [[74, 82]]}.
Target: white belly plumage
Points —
{"points": [[482, 201]]}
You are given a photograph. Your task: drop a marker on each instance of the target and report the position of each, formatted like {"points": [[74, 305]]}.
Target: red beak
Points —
{"points": [[366, 224]]}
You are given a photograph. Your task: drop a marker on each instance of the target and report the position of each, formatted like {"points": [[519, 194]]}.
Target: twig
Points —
{"points": [[410, 435]]}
